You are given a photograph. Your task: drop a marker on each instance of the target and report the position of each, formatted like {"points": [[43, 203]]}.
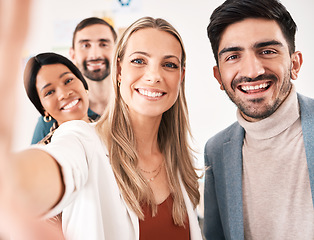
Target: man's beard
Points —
{"points": [[99, 74], [247, 108]]}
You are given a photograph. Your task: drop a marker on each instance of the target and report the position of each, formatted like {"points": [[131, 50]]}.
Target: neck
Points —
{"points": [[99, 94], [149, 155], [286, 115], [146, 133]]}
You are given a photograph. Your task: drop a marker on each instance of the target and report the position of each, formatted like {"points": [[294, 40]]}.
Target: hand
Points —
{"points": [[14, 22]]}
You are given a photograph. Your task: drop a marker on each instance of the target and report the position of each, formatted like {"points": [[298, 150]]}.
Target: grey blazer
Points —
{"points": [[223, 217]]}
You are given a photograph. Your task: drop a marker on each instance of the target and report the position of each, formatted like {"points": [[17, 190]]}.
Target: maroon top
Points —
{"points": [[161, 226]]}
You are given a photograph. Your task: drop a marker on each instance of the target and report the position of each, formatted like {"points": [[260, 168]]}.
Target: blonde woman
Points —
{"points": [[131, 175]]}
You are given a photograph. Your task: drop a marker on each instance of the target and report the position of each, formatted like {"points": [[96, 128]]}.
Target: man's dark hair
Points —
{"points": [[232, 11], [32, 68], [89, 22]]}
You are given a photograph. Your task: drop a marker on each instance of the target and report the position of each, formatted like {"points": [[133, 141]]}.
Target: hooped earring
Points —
{"points": [[47, 118], [119, 83]]}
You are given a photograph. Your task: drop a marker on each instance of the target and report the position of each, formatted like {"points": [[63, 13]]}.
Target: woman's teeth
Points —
{"points": [[150, 94], [71, 104]]}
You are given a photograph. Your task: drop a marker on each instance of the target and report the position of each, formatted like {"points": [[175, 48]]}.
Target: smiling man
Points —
{"points": [[260, 180], [92, 49]]}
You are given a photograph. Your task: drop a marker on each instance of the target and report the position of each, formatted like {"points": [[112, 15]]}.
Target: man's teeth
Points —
{"points": [[95, 64], [256, 87], [71, 104], [150, 94]]}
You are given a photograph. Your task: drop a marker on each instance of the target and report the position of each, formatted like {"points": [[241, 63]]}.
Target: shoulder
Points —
{"points": [[306, 109], [75, 125], [305, 102], [93, 115], [223, 136], [44, 125], [214, 148], [73, 144], [41, 130], [75, 129], [307, 117]]}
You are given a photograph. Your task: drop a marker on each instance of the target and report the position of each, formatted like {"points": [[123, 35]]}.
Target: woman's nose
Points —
{"points": [[153, 74], [64, 93]]}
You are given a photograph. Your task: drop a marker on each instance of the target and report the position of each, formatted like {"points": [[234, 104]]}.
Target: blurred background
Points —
{"points": [[53, 23]]}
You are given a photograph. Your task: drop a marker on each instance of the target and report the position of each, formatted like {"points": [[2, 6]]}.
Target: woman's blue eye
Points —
{"points": [[138, 61], [171, 65]]}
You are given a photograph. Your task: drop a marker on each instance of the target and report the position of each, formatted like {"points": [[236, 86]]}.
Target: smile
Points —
{"points": [[95, 65], [150, 93], [70, 105], [254, 88]]}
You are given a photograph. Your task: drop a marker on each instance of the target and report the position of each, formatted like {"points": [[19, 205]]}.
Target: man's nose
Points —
{"points": [[252, 66], [95, 52]]}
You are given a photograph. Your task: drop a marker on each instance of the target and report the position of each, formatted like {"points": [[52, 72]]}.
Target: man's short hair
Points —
{"points": [[232, 11], [89, 22]]}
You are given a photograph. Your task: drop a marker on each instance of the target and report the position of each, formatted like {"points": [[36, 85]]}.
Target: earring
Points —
{"points": [[47, 118], [86, 91], [119, 83]]}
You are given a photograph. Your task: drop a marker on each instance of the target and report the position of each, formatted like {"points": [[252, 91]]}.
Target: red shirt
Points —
{"points": [[161, 226]]}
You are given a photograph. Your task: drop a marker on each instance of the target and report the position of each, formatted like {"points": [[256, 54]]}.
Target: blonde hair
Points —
{"points": [[115, 130]]}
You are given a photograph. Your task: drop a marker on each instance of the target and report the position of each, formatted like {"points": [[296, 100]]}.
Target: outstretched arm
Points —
{"points": [[14, 21], [31, 171], [36, 179]]}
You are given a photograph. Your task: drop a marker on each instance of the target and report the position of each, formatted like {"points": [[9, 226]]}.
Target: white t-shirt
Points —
{"points": [[92, 205]]}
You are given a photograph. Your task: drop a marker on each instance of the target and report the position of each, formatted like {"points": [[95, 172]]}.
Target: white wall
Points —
{"points": [[210, 110]]}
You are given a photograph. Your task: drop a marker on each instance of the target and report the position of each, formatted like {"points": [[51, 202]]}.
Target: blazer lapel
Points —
{"points": [[307, 121], [133, 219], [195, 231], [232, 160]]}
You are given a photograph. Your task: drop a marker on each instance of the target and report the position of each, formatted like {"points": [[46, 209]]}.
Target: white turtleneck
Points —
{"points": [[277, 200]]}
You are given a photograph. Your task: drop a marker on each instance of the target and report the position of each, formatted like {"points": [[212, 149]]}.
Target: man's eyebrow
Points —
{"points": [[256, 45], [99, 40], [268, 43], [104, 40], [230, 49], [84, 40]]}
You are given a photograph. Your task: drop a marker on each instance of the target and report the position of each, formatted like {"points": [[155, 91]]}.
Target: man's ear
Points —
{"points": [[218, 77], [72, 55], [296, 63]]}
